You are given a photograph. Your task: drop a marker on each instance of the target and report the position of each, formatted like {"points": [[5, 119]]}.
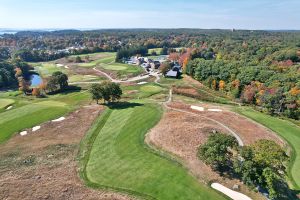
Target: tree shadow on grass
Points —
{"points": [[122, 105]]}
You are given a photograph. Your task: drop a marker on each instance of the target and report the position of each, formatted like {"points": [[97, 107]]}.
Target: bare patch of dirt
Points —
{"points": [[42, 165], [181, 134], [248, 130]]}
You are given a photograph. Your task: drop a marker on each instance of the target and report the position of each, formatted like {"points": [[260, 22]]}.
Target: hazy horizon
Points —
{"points": [[93, 14]]}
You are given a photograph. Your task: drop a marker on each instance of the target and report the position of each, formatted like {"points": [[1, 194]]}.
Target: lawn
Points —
{"points": [[84, 78], [122, 70], [287, 130], [28, 116], [4, 103], [114, 156], [47, 69], [156, 50], [141, 91], [30, 113], [99, 58]]}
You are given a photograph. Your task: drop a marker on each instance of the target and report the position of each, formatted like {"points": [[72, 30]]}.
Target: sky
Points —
{"points": [[97, 14]]}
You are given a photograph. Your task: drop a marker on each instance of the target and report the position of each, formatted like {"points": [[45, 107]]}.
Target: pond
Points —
{"points": [[36, 80]]}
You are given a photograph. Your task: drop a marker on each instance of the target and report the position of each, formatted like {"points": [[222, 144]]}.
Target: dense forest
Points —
{"points": [[260, 68]]}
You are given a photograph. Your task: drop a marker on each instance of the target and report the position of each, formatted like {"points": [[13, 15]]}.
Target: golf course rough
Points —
{"points": [[118, 159]]}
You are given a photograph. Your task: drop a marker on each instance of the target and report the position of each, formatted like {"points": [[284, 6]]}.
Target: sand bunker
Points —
{"points": [[59, 65], [66, 67], [197, 108], [9, 107], [36, 128], [215, 110], [142, 83], [230, 193], [23, 133], [59, 119]]}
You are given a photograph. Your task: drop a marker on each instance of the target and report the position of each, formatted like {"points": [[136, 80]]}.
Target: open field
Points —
{"points": [[156, 50], [116, 157], [98, 58], [287, 130], [141, 91]]}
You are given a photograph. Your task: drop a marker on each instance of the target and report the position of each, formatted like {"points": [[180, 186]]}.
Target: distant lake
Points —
{"points": [[36, 80]]}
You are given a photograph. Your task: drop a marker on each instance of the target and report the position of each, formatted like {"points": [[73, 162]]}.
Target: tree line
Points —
{"points": [[261, 166]]}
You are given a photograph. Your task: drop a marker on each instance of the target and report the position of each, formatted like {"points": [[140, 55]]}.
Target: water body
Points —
{"points": [[36, 80]]}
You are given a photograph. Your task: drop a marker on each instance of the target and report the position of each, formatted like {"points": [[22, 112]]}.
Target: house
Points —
{"points": [[156, 64], [145, 65], [172, 74]]}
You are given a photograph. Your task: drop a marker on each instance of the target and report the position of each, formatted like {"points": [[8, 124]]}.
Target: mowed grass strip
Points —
{"points": [[120, 160], [288, 131], [28, 116]]}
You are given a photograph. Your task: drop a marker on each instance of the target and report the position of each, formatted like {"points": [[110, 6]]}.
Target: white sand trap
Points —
{"points": [[66, 67], [59, 119], [59, 65], [197, 108], [9, 107], [215, 110], [230, 193], [36, 128], [23, 133], [142, 83]]}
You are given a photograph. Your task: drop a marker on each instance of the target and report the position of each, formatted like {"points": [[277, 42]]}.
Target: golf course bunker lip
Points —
{"points": [[9, 107], [59, 119], [230, 193], [23, 133], [215, 110], [36, 128], [201, 109]]}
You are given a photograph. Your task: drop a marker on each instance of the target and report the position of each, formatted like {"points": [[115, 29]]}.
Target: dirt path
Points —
{"points": [[42, 165]]}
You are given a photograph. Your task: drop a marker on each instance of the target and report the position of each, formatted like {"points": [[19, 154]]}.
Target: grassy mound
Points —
{"points": [[116, 157], [287, 130], [4, 103], [28, 116]]}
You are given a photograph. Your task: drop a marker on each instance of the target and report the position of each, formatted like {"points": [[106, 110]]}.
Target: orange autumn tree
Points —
{"points": [[36, 92], [295, 91], [222, 85], [174, 57]]}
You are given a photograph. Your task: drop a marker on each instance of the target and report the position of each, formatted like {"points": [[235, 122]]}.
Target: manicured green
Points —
{"points": [[288, 131], [157, 50], [31, 112], [116, 157], [47, 69], [141, 91], [151, 89], [4, 103], [28, 116], [84, 78], [104, 58], [115, 67]]}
